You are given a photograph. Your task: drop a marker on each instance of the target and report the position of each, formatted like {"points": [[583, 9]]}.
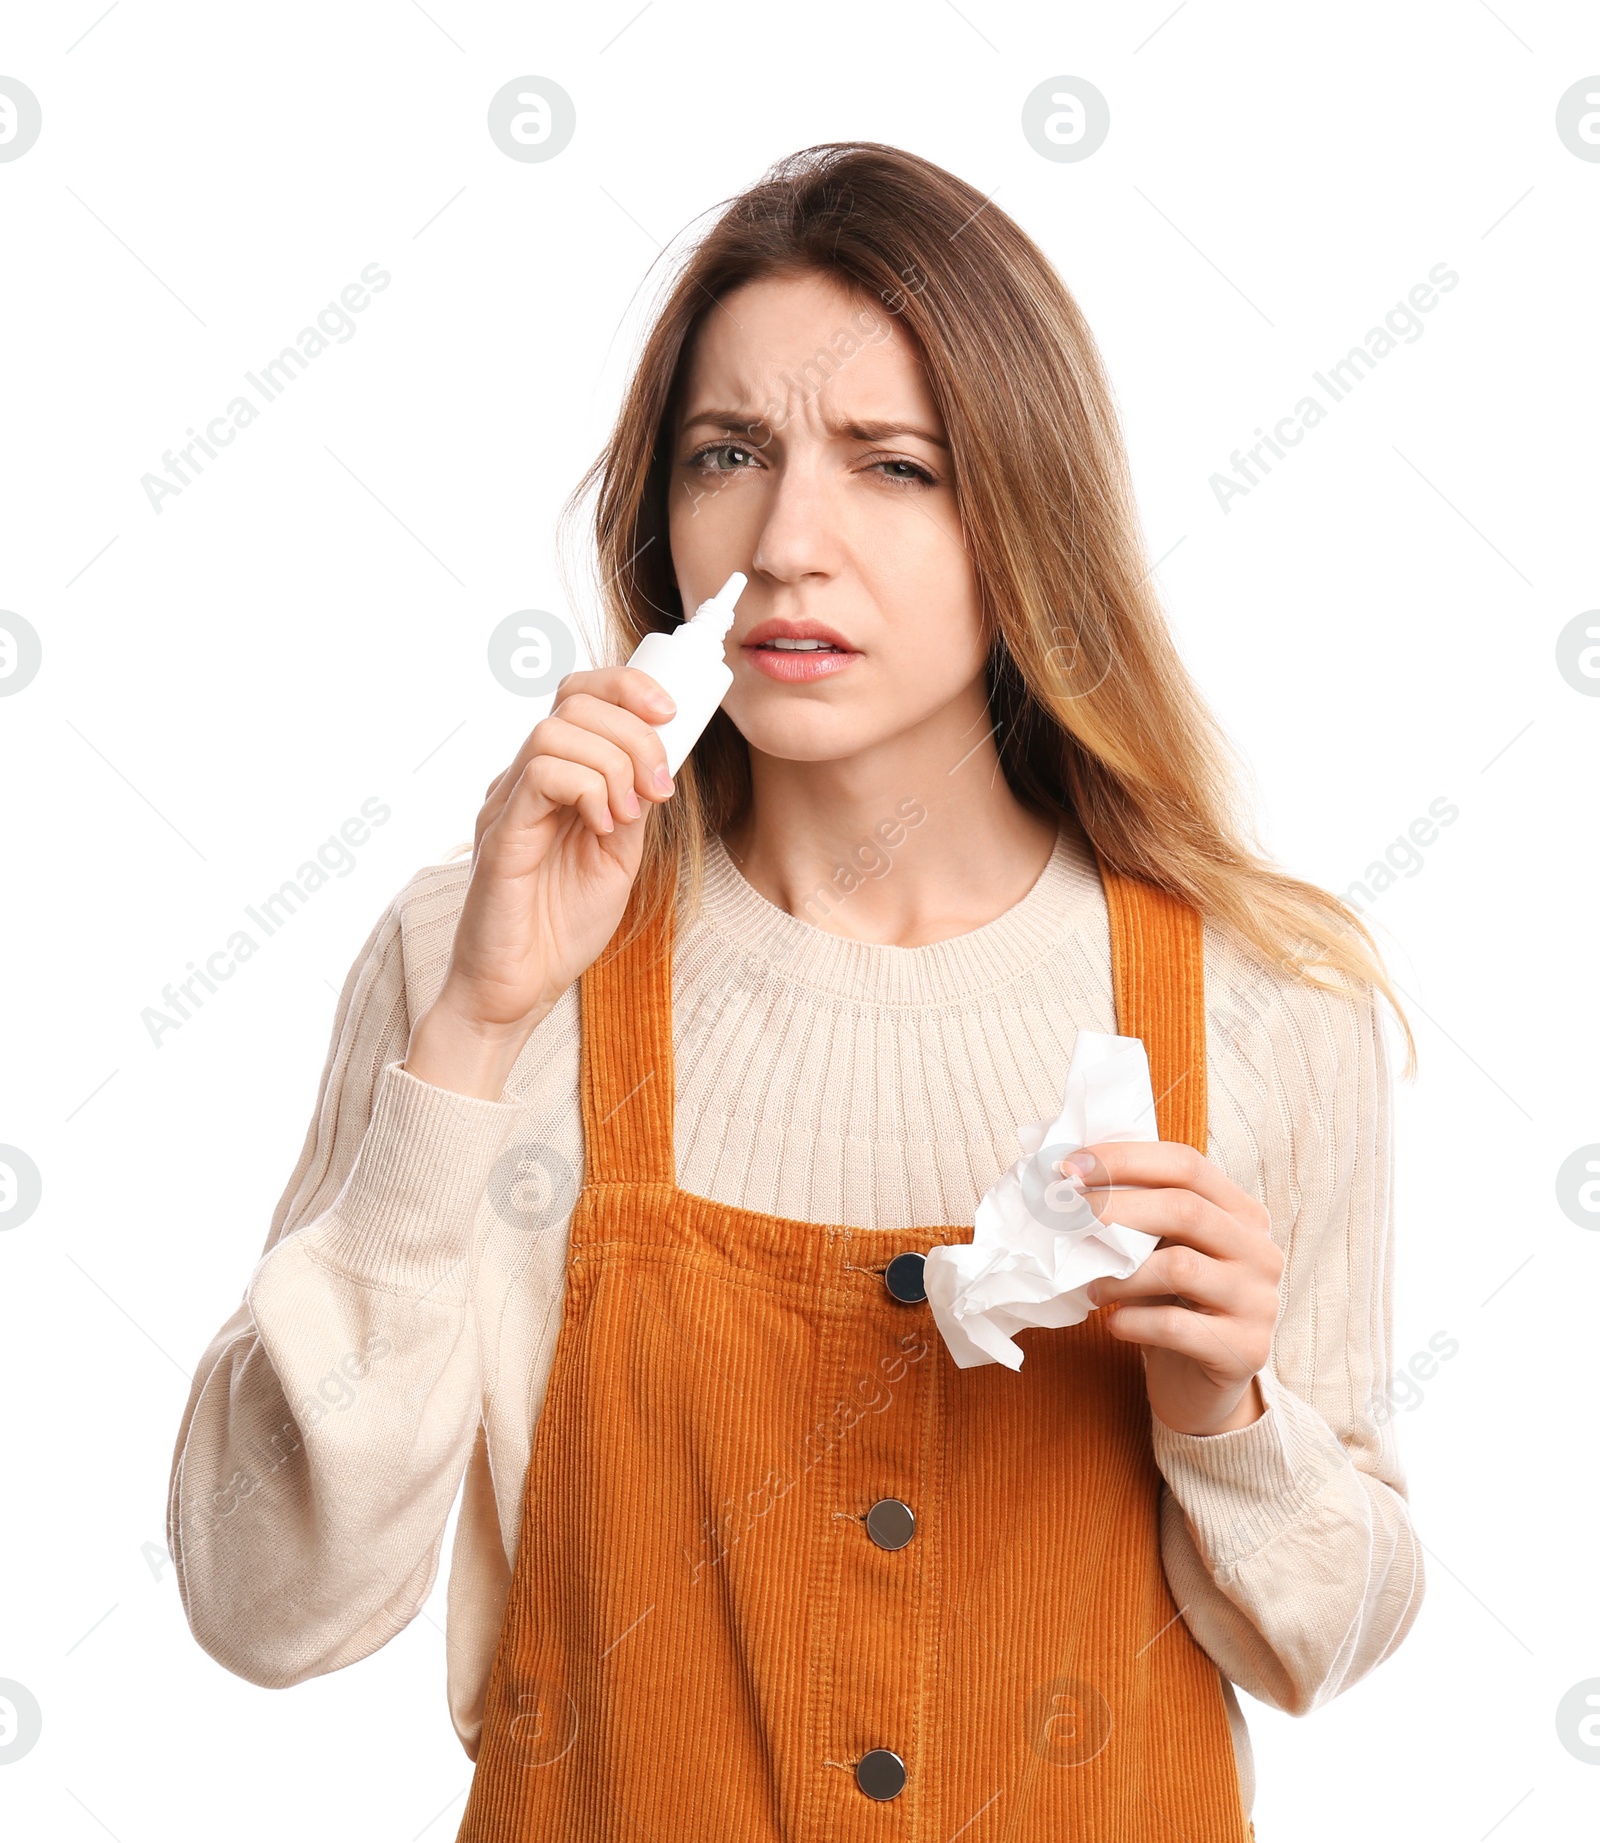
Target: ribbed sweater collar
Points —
{"points": [[1065, 897]]}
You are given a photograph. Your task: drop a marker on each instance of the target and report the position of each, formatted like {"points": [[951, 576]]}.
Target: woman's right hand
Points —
{"points": [[557, 847]]}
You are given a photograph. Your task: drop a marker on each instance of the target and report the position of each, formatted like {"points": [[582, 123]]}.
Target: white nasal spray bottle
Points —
{"points": [[688, 665]]}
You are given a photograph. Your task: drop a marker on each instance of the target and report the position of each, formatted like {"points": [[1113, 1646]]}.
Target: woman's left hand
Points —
{"points": [[1205, 1302]]}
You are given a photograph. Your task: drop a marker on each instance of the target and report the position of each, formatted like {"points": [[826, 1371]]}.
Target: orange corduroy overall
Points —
{"points": [[706, 1641]]}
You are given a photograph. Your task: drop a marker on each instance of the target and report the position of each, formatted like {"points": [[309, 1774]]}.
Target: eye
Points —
{"points": [[723, 458], [913, 472], [912, 475]]}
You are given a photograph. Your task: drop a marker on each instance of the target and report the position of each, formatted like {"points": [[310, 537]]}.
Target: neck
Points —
{"points": [[916, 839]]}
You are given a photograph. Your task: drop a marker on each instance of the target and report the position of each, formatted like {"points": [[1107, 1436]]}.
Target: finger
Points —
{"points": [[1168, 1162], [640, 738], [549, 782], [1218, 1343], [1180, 1273], [624, 686], [597, 716], [580, 704], [1177, 1216], [566, 741]]}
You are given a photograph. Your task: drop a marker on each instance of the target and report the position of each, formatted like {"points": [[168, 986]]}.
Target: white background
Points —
{"points": [[304, 627]]}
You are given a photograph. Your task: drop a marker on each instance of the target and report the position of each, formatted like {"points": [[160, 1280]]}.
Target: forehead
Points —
{"points": [[808, 335]]}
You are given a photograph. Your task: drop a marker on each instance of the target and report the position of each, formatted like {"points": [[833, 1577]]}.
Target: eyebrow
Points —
{"points": [[861, 431]]}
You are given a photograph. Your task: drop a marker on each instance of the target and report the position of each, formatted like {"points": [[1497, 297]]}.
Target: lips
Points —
{"points": [[817, 634], [796, 652]]}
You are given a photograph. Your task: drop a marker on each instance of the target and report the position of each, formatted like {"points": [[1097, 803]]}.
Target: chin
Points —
{"points": [[805, 748], [808, 736]]}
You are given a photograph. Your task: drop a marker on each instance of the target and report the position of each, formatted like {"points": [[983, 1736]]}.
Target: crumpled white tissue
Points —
{"points": [[1036, 1244]]}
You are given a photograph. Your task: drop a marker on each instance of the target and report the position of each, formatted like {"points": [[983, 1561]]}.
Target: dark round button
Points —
{"points": [[903, 1277], [881, 1774], [890, 1523]]}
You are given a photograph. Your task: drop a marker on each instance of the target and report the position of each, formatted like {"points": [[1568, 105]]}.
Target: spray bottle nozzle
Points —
{"points": [[717, 613]]}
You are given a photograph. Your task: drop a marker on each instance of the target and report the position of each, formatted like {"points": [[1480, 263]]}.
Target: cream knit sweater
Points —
{"points": [[397, 1334]]}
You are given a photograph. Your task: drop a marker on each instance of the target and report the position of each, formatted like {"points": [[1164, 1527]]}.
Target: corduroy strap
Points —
{"points": [[1158, 974], [625, 999]]}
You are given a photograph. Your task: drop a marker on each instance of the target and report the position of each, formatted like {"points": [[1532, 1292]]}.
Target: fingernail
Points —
{"points": [[663, 780], [1077, 1167], [660, 701], [630, 804]]}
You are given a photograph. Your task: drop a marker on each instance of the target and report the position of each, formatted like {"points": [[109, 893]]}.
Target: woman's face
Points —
{"points": [[809, 455]]}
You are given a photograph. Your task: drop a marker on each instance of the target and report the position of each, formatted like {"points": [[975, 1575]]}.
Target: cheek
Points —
{"points": [[942, 654], [932, 636], [691, 497], [928, 647], [700, 503]]}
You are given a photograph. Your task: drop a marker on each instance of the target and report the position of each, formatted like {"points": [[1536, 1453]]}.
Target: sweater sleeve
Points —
{"points": [[1287, 1543], [333, 1415]]}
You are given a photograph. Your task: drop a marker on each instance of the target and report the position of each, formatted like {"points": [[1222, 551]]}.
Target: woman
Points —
{"points": [[636, 1126]]}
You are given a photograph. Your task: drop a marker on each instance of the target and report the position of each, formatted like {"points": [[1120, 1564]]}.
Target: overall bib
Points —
{"points": [[784, 1571]]}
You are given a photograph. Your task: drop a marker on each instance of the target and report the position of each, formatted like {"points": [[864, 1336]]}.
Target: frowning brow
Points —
{"points": [[879, 430]]}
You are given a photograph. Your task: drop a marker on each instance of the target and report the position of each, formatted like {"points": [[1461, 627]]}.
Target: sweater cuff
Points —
{"points": [[404, 1217], [1242, 1489]]}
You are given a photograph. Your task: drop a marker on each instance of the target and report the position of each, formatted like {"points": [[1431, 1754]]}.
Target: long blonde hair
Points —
{"points": [[1096, 719]]}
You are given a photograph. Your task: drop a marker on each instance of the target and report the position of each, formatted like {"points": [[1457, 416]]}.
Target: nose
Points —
{"points": [[800, 532]]}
